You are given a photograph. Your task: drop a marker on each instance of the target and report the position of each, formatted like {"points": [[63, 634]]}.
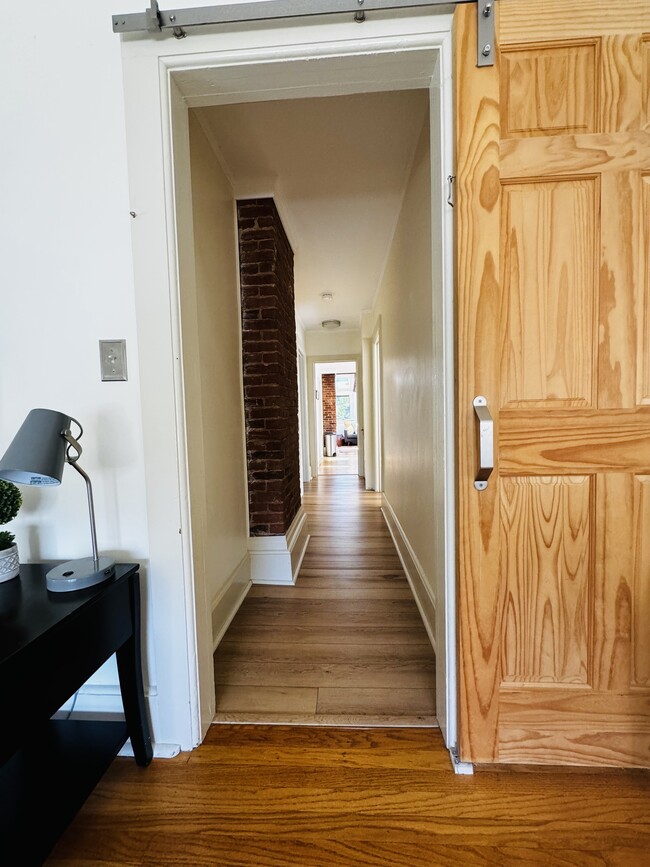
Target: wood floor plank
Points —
{"points": [[401, 851], [269, 591], [265, 796], [350, 623], [363, 701], [405, 675], [277, 699], [377, 719], [263, 634], [320, 612]]}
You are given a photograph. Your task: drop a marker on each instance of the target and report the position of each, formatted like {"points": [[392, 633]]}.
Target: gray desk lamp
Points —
{"points": [[36, 456]]}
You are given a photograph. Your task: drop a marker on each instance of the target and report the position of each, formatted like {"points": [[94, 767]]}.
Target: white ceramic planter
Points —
{"points": [[9, 565]]}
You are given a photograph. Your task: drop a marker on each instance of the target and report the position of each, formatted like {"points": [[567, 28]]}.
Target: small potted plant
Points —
{"points": [[10, 502]]}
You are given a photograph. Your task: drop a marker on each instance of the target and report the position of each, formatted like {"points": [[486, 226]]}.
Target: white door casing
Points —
{"points": [[163, 77]]}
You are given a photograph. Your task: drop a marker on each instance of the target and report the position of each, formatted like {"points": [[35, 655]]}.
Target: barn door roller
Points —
{"points": [[154, 20]]}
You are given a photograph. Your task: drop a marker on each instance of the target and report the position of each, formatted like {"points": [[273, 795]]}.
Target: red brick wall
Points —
{"points": [[269, 364], [329, 402]]}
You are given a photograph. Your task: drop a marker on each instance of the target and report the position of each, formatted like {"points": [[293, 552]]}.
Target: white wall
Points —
{"points": [[404, 303], [67, 275], [323, 343], [210, 316]]}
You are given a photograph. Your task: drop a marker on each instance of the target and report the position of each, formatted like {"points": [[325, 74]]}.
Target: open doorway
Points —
{"points": [[352, 568], [404, 53], [339, 416]]}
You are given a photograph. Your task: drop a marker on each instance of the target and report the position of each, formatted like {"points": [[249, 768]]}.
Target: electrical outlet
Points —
{"points": [[112, 357]]}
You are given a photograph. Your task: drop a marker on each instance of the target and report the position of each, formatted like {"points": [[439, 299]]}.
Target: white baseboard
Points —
{"points": [[414, 572], [226, 604], [100, 701], [103, 701], [160, 751], [277, 559]]}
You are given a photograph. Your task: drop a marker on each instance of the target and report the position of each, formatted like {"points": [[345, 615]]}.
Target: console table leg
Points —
{"points": [[129, 666]]}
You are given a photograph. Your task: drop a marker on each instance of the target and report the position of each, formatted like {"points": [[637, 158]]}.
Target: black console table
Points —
{"points": [[50, 644]]}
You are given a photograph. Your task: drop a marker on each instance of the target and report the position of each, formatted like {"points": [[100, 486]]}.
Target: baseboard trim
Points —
{"points": [[227, 602], [160, 751], [277, 559], [414, 572], [103, 701]]}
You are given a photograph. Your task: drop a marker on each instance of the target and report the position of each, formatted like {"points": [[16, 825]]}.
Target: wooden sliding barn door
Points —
{"points": [[553, 271]]}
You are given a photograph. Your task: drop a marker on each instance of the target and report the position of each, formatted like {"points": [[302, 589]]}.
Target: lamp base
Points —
{"points": [[79, 574]]}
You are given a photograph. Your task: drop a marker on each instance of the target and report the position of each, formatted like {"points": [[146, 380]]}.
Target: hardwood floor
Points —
{"points": [[346, 462], [276, 796], [346, 645], [317, 796]]}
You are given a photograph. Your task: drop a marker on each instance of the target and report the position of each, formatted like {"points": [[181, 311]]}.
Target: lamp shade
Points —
{"points": [[36, 455]]}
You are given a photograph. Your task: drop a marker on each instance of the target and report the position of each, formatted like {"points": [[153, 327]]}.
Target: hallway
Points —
{"points": [[345, 462], [345, 645]]}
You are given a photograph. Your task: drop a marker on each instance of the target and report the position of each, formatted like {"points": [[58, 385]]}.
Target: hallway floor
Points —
{"points": [[345, 463], [345, 645], [276, 796]]}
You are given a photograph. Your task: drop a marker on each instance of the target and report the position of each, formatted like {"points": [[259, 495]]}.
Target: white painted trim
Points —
{"points": [[182, 640], [465, 769], [377, 406], [303, 419], [180, 249], [160, 751], [412, 567], [228, 601], [315, 414], [103, 701], [446, 685], [277, 559]]}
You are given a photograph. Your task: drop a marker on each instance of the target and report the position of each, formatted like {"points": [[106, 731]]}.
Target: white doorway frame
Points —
{"points": [[378, 427], [157, 149], [316, 414], [303, 421]]}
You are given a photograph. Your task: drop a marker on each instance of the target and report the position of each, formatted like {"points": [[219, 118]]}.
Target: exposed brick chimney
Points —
{"points": [[329, 402], [270, 368]]}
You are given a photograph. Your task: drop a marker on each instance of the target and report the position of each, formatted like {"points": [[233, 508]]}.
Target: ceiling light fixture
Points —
{"points": [[327, 296], [331, 323]]}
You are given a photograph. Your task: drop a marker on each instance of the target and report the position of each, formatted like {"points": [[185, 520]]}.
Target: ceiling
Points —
{"points": [[337, 167]]}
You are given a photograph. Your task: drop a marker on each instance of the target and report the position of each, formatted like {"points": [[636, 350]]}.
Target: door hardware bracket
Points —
{"points": [[485, 442], [460, 767], [157, 22], [485, 30], [450, 192]]}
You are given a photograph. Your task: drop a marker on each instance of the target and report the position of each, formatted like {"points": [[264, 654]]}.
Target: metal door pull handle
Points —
{"points": [[485, 443]]}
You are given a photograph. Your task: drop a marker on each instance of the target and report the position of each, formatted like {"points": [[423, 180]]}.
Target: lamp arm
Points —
{"points": [[91, 509]]}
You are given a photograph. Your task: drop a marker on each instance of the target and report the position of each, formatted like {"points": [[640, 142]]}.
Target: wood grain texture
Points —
{"points": [[645, 80], [622, 641], [574, 154], [346, 644], [573, 442], [568, 317], [550, 233], [619, 274], [643, 314], [640, 614], [263, 796], [534, 20], [614, 584], [478, 220], [546, 523], [548, 89], [622, 75]]}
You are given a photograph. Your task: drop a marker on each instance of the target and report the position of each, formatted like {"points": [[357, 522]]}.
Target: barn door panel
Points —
{"points": [[553, 228]]}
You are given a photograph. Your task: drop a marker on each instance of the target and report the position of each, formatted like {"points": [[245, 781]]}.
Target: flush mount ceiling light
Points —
{"points": [[331, 323], [326, 296]]}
